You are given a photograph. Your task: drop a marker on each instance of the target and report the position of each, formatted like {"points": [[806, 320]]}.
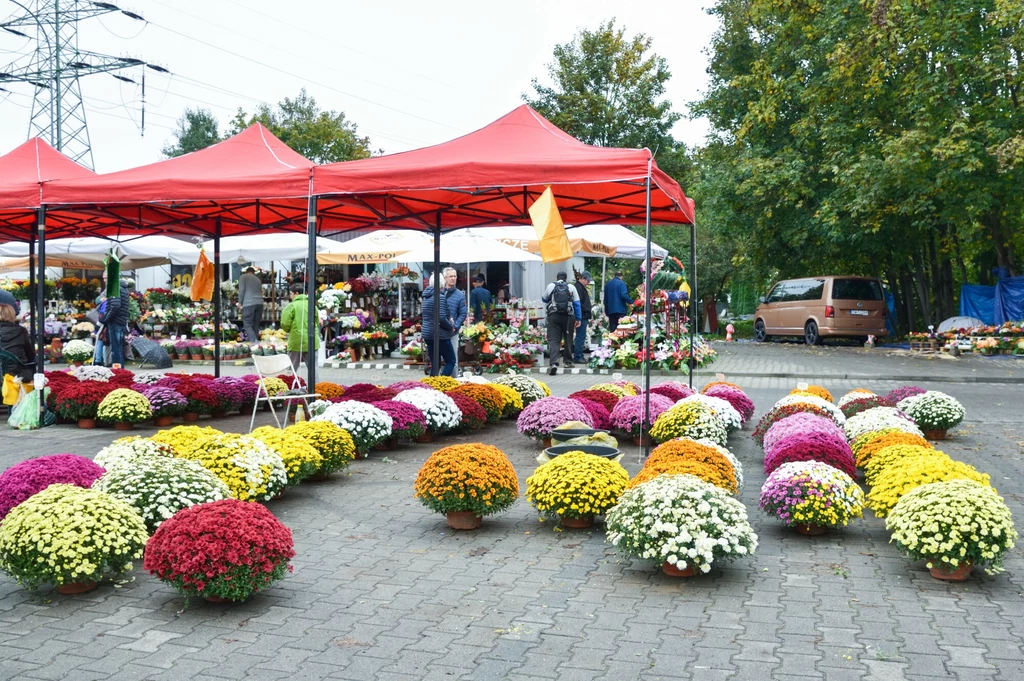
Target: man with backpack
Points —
{"points": [[563, 317]]}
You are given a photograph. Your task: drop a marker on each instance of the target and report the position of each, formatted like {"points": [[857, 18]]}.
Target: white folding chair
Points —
{"points": [[266, 367]]}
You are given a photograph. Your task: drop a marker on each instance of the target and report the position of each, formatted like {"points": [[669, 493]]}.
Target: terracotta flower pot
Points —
{"points": [[673, 571], [77, 364], [577, 523], [949, 574], [935, 434], [219, 414], [811, 530], [88, 424], [319, 477], [354, 354], [215, 599], [71, 588], [190, 416], [464, 520], [162, 421], [546, 442], [124, 425], [640, 440], [425, 437], [196, 358]]}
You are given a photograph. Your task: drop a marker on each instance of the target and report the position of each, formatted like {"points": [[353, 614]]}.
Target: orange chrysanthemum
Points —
{"points": [[327, 390], [704, 471], [472, 477], [815, 390]]}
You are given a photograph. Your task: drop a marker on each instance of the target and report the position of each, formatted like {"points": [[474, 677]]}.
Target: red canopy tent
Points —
{"points": [[491, 177]]}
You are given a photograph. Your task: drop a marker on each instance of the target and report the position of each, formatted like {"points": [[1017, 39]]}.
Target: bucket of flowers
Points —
{"points": [[158, 487], [811, 496], [934, 413], [953, 525], [440, 411], [124, 408], [467, 482], [365, 423], [77, 352], [575, 487], [682, 523], [545, 415], [70, 537], [222, 551]]}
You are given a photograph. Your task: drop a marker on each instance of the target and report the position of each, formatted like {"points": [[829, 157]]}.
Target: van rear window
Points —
{"points": [[856, 289]]}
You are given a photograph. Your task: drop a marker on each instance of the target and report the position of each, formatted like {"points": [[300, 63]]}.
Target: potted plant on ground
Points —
{"points": [[542, 416], [934, 413], [575, 487], [124, 408], [692, 420], [407, 421], [366, 424], [628, 414], [127, 449], [77, 352], [953, 525], [22, 480], [440, 411], [201, 400], [473, 416], [250, 469], [811, 497], [682, 523], [80, 401], [70, 537], [166, 404], [335, 445], [690, 457], [892, 482], [467, 482], [221, 551], [301, 460], [157, 487]]}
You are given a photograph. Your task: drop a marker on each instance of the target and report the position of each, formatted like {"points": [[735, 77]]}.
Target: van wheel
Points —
{"points": [[811, 336], [760, 334]]}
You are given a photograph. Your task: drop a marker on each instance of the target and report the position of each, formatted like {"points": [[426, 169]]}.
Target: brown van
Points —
{"points": [[819, 307]]}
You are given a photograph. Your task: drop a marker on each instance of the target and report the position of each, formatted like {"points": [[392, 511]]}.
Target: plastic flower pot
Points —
{"points": [[569, 433], [463, 520], [673, 571], [190, 416], [598, 450], [935, 434]]}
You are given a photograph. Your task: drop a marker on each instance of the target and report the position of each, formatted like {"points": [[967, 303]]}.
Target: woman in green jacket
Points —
{"points": [[295, 320]]}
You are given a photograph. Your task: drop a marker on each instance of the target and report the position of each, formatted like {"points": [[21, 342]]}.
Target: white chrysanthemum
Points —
{"points": [[857, 394], [93, 373], [879, 418], [367, 424], [128, 449], [933, 410], [726, 413], [148, 377], [440, 411]]}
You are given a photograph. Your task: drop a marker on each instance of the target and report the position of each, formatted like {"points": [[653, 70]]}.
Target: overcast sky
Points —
{"points": [[409, 73]]}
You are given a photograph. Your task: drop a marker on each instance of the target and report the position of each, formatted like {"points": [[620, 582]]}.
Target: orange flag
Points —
{"points": [[202, 279], [554, 244]]}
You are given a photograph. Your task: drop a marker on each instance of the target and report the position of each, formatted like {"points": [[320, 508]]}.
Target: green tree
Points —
{"points": [[197, 129], [319, 135], [607, 89]]}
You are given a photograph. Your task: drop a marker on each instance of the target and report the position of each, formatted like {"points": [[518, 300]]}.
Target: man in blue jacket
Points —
{"points": [[115, 318], [563, 309], [457, 310], [442, 335], [616, 300]]}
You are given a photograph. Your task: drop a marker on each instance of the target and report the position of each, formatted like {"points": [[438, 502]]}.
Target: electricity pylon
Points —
{"points": [[55, 67]]}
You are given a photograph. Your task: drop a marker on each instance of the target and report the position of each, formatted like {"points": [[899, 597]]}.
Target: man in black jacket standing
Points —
{"points": [[583, 280]]}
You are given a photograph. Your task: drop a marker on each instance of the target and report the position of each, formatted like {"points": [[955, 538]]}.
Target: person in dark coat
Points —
{"points": [[115, 318], [7, 298], [616, 300], [442, 335], [14, 339], [586, 314]]}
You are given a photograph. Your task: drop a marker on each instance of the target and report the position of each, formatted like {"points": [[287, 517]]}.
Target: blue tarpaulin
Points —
{"points": [[1009, 302], [979, 302], [993, 305]]}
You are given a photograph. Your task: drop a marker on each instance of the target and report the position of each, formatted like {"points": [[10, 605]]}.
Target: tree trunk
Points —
{"points": [[908, 299], [1002, 244], [921, 286]]}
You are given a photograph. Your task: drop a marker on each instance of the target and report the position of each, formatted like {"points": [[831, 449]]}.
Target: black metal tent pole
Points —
{"points": [[693, 294], [647, 320], [435, 353], [311, 314], [40, 302], [216, 299], [32, 280]]}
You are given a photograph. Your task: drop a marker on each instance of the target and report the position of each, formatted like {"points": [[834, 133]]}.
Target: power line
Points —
{"points": [[295, 75]]}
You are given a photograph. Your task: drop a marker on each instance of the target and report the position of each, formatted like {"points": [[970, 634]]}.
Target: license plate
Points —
{"points": [[859, 313]]}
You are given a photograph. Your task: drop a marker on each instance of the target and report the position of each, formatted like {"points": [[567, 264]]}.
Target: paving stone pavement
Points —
{"points": [[382, 589]]}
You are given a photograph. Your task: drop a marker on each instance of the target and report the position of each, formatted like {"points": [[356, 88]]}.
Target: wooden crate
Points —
{"points": [[930, 345]]}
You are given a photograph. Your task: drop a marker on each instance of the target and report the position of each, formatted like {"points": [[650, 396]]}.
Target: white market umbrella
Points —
{"points": [[467, 247], [954, 323]]}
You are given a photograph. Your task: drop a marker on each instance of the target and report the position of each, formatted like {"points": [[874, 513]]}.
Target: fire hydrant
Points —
{"points": [[729, 331]]}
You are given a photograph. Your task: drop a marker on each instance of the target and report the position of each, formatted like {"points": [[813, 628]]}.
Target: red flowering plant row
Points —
{"points": [[226, 549]]}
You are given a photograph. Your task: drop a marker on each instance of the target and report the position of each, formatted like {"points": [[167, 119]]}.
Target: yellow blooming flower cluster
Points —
{"points": [[544, 387], [250, 469], [512, 401], [867, 445], [815, 390], [893, 454], [908, 473], [616, 390], [947, 523], [472, 477], [336, 447], [70, 534], [442, 383], [576, 485], [182, 439], [301, 459], [272, 386]]}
